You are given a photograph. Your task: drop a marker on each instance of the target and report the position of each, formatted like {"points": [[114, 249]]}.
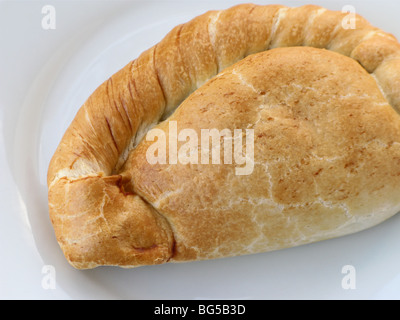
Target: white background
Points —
{"points": [[45, 76]]}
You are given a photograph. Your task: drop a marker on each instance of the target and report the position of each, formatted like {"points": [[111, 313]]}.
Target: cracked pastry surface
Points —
{"points": [[321, 99]]}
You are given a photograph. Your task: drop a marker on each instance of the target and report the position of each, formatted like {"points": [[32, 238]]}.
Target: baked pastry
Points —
{"points": [[319, 101]]}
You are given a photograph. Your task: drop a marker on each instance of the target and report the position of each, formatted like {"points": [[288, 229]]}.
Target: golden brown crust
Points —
{"points": [[108, 206], [326, 157]]}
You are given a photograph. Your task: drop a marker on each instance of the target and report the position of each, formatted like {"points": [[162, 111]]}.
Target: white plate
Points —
{"points": [[45, 77]]}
